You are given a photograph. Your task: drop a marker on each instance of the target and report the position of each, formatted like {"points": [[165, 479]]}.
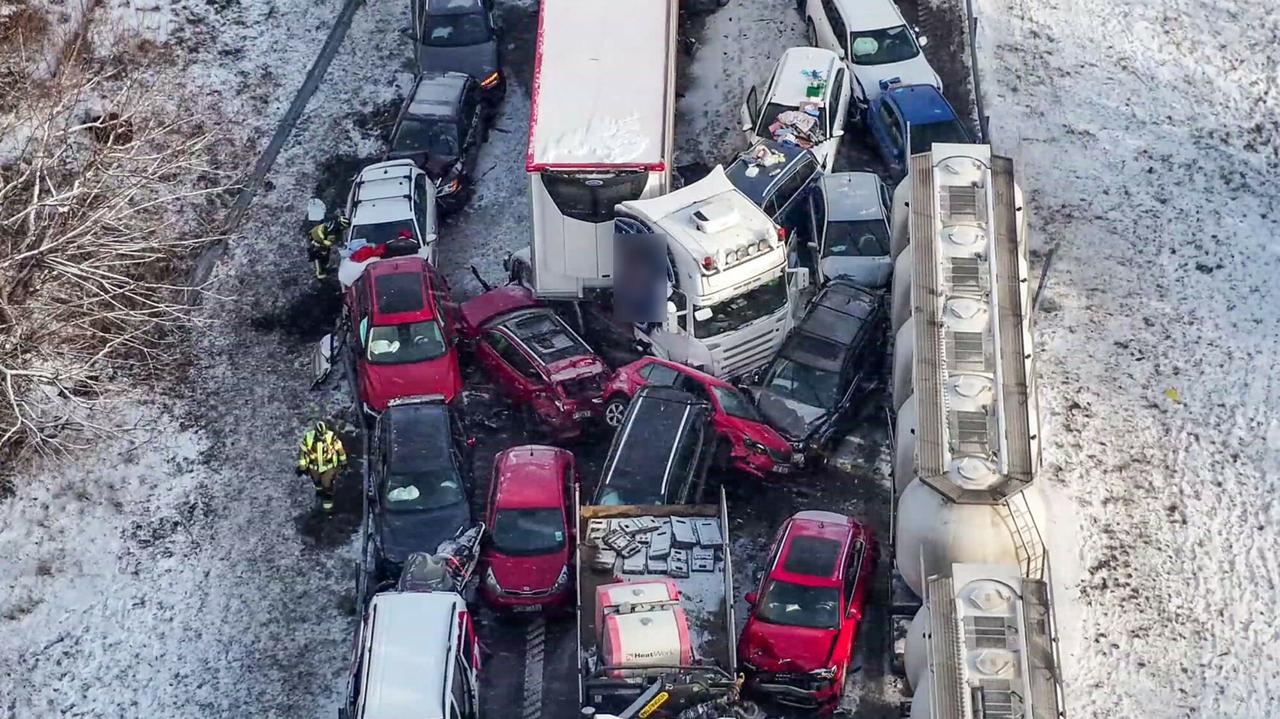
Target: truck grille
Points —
{"points": [[749, 355]]}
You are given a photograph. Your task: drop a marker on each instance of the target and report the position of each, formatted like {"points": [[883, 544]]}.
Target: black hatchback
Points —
{"points": [[419, 479], [810, 391], [441, 127], [661, 452], [460, 36]]}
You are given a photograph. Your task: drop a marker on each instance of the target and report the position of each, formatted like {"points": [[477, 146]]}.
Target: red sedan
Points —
{"points": [[529, 546], [536, 360], [405, 331], [804, 617], [745, 442]]}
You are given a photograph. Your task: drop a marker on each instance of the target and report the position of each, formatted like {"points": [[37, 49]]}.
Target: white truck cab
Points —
{"points": [[805, 101], [387, 200], [730, 304], [415, 655]]}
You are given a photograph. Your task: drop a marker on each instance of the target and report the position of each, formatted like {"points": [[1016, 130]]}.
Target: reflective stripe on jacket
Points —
{"points": [[320, 454]]}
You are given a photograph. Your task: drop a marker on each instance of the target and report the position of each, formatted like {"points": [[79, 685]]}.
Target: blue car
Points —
{"points": [[906, 120]]}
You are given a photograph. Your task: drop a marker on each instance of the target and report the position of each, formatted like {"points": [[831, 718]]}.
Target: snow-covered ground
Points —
{"points": [[1147, 136]]}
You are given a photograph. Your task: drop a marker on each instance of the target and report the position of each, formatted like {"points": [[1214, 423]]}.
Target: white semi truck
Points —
{"points": [[730, 293], [655, 612]]}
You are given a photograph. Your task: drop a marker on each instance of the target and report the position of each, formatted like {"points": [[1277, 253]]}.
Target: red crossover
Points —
{"points": [[404, 325], [536, 360], [745, 442], [529, 545], [804, 618]]}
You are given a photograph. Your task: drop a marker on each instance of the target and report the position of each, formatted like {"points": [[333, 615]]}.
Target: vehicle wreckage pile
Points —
{"points": [[706, 347]]}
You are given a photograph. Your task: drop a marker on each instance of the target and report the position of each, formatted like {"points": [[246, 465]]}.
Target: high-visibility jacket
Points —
{"points": [[320, 452], [323, 235]]}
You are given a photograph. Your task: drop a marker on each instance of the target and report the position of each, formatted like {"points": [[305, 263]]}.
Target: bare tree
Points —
{"points": [[107, 189]]}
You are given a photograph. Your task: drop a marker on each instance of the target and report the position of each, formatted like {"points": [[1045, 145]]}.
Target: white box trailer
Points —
{"points": [[601, 129]]}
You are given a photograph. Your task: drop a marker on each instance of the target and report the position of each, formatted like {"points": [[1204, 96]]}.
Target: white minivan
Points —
{"points": [[416, 657], [804, 102]]}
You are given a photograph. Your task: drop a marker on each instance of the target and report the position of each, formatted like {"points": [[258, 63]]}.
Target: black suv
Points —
{"points": [[441, 127], [419, 479], [828, 361], [460, 36], [661, 451]]}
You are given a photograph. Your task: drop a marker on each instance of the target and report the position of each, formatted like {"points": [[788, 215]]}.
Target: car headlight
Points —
{"points": [[561, 581], [491, 582], [754, 446], [449, 187], [491, 80]]}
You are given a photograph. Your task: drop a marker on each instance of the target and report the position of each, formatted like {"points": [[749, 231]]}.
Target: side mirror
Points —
{"points": [[471, 441], [672, 316], [702, 314], [316, 210], [838, 132], [922, 40], [322, 360], [751, 598], [840, 52], [811, 245]]}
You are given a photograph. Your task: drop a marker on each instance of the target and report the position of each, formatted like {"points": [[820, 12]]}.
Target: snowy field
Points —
{"points": [[181, 573], [1147, 136]]}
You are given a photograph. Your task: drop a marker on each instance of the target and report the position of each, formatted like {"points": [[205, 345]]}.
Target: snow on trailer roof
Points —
{"points": [[600, 84], [674, 211], [410, 633]]}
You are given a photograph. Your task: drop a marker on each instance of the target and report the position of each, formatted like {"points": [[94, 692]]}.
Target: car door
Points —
{"points": [[749, 113], [445, 307], [887, 130], [515, 373]]}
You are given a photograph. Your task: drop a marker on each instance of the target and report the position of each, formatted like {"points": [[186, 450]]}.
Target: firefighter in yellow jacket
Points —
{"points": [[320, 456], [322, 237]]}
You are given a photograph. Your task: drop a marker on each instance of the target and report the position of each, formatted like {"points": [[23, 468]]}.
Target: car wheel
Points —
{"points": [[614, 411], [811, 32]]}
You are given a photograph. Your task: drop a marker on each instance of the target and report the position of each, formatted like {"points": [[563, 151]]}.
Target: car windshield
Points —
{"points": [[420, 491], [456, 29], [380, 233], [733, 313], [859, 238], [804, 384], [528, 532], [923, 136], [796, 605], [773, 109], [409, 342], [434, 136], [735, 404], [881, 47]]}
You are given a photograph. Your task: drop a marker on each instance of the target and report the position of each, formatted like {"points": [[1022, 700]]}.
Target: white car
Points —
{"points": [[873, 39], [809, 84], [389, 202], [852, 216]]}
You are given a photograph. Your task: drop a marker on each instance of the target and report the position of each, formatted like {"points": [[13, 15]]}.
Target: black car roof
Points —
{"points": [[420, 436], [437, 94], [453, 7], [656, 418], [758, 188], [833, 326]]}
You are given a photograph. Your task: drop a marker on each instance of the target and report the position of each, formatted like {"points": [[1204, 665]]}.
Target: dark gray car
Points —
{"points": [[460, 36], [441, 127]]}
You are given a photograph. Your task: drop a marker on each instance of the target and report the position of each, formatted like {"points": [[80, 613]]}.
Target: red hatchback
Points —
{"points": [[405, 332], [745, 442], [536, 360], [804, 618], [529, 546]]}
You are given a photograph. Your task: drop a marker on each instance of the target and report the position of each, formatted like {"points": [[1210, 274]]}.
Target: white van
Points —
{"points": [[415, 657]]}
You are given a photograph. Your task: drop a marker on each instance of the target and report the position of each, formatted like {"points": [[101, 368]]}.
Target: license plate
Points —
{"points": [[582, 414], [527, 608], [783, 468]]}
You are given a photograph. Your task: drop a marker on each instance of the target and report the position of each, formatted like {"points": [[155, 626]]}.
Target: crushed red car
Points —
{"points": [[804, 617], [536, 360], [404, 326], [745, 442], [529, 546]]}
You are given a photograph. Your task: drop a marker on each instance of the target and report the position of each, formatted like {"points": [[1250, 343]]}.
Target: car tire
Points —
{"points": [[811, 32], [614, 411]]}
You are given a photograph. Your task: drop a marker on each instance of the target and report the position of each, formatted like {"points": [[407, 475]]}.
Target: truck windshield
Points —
{"points": [[796, 605], [744, 309], [592, 197], [528, 532]]}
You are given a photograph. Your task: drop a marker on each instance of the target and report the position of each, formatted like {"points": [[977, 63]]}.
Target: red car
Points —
{"points": [[405, 329], [529, 546], [804, 618], [744, 441], [536, 360]]}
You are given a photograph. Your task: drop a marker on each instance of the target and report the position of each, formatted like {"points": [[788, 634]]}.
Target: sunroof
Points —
{"points": [[399, 292], [812, 556]]}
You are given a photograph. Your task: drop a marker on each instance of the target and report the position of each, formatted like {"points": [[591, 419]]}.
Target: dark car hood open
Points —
{"points": [[793, 420], [402, 533], [478, 61]]}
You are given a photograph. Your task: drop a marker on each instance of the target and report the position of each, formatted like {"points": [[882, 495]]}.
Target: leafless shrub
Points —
{"points": [[107, 188]]}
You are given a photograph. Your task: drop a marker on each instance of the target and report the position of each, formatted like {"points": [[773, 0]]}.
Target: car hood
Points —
{"points": [[762, 433], [436, 166], [793, 420], [403, 533], [478, 61], [526, 574], [381, 383], [777, 648], [915, 71]]}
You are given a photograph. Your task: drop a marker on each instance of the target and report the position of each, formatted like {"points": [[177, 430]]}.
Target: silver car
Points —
{"points": [[852, 220]]}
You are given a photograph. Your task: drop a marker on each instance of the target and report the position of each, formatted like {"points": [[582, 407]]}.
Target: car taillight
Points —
{"points": [[490, 81]]}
